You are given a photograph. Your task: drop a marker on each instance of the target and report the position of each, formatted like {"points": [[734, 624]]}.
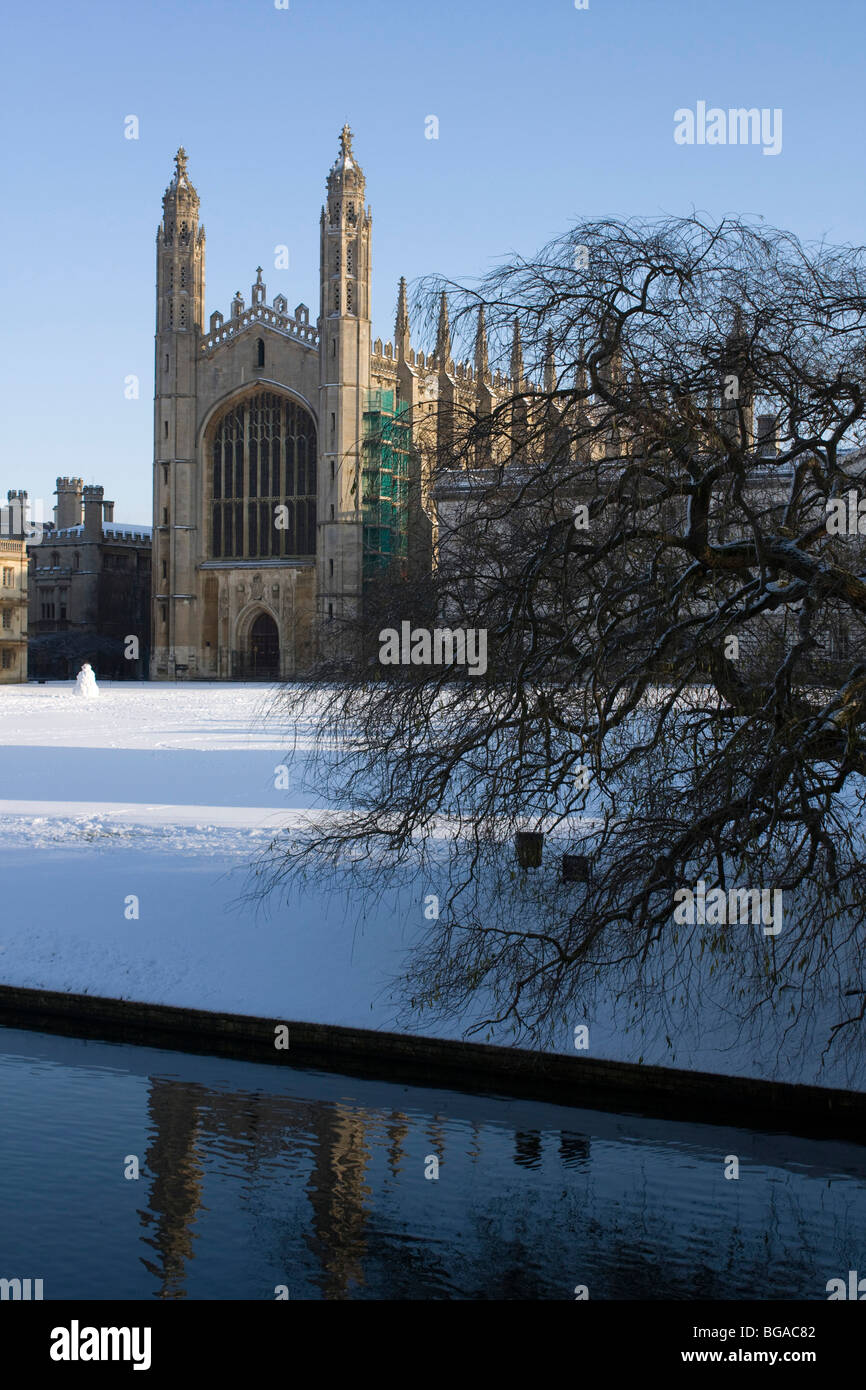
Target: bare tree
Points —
{"points": [[676, 675]]}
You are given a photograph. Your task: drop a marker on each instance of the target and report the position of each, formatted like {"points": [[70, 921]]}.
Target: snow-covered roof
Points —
{"points": [[126, 528], [109, 528]]}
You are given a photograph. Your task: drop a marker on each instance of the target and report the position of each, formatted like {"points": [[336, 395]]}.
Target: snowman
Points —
{"points": [[86, 685]]}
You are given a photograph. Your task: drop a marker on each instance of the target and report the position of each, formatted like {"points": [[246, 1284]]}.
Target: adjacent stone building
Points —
{"points": [[89, 589], [13, 590]]}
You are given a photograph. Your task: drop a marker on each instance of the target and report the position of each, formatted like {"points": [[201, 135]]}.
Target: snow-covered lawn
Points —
{"points": [[166, 794]]}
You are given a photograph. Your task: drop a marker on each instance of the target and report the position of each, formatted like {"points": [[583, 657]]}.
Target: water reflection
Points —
{"points": [[339, 1196], [256, 1176], [177, 1179]]}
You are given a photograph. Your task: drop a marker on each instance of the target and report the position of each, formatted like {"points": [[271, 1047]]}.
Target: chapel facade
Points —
{"points": [[289, 448]]}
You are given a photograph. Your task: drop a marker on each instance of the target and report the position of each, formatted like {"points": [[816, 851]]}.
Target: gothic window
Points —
{"points": [[171, 278], [349, 299], [336, 299], [183, 313], [183, 277], [260, 352], [350, 260], [263, 481]]}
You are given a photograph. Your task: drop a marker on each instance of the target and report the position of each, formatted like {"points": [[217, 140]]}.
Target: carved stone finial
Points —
{"points": [[401, 326], [481, 363], [180, 162], [345, 141], [443, 332], [258, 275], [549, 363], [516, 357]]}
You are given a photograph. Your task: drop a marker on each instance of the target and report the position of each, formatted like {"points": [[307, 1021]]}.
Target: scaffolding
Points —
{"points": [[385, 485]]}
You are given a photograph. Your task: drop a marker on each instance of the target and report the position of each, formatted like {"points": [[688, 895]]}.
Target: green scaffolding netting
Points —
{"points": [[385, 483]]}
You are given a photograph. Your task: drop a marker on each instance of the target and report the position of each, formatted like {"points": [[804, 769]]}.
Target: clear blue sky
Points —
{"points": [[547, 114]]}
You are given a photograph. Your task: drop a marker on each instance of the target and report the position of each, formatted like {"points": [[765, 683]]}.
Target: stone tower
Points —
{"points": [[180, 252], [69, 502], [344, 362]]}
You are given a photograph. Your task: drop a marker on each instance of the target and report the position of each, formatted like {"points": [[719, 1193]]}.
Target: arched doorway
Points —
{"points": [[264, 647]]}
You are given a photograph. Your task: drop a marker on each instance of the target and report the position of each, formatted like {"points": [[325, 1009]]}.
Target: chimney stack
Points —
{"points": [[14, 516], [93, 513]]}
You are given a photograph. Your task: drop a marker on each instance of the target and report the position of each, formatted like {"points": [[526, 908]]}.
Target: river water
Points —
{"points": [[256, 1178]]}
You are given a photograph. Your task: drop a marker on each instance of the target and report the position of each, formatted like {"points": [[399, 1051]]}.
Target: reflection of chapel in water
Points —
{"points": [[329, 1168], [185, 1119]]}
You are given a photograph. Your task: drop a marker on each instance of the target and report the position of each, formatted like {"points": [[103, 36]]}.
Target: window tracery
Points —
{"points": [[263, 457]]}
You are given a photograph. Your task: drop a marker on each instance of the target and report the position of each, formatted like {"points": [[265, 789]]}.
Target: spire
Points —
{"points": [[401, 326], [516, 358], [346, 172], [581, 379], [344, 248], [180, 255], [443, 333], [549, 364], [180, 178], [519, 411], [481, 365]]}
